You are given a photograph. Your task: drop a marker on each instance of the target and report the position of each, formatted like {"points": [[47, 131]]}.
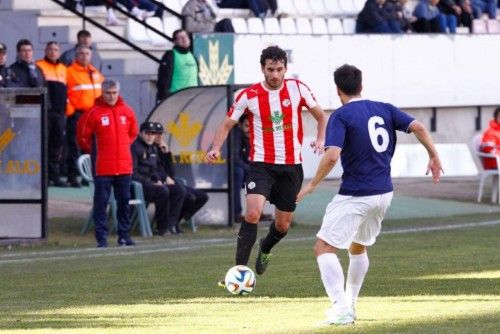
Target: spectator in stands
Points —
{"points": [[26, 72], [461, 9], [158, 187], [178, 68], [375, 18], [7, 77], [430, 19], [399, 12], [141, 9], [199, 16], [84, 87], [491, 140], [258, 7], [195, 199], [484, 6], [55, 75], [107, 131], [83, 38]]}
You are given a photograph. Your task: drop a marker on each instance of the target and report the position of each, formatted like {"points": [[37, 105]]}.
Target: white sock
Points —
{"points": [[333, 280], [358, 266]]}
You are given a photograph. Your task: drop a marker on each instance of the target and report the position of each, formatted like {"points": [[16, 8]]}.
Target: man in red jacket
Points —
{"points": [[107, 131], [491, 140]]}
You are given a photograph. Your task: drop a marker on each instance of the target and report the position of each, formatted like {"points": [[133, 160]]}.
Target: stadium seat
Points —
{"points": [[303, 26], [288, 26], [332, 8], [485, 173], [493, 26], [171, 24], [154, 38], [239, 25], [174, 5], [255, 25], [139, 215], [348, 7], [287, 6], [358, 5], [479, 26], [319, 26], [349, 26], [136, 32], [303, 8], [318, 8], [335, 26], [272, 25]]}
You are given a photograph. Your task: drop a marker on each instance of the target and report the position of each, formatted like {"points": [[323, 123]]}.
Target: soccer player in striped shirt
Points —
{"points": [[363, 134], [274, 110]]}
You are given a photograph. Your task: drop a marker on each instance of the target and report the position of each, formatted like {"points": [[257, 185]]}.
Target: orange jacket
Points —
{"points": [[490, 142], [84, 86], [55, 77]]}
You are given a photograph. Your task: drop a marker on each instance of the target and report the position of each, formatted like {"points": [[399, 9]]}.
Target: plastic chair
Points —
{"points": [[288, 26], [272, 26], [240, 25], [319, 26], [139, 215], [335, 26], [494, 173], [303, 26], [255, 25]]}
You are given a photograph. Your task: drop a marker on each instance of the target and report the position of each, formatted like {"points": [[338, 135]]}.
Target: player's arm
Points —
{"points": [[326, 164], [219, 139], [423, 136], [319, 115]]}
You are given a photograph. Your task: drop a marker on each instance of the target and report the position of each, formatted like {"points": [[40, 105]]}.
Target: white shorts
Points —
{"points": [[350, 218]]}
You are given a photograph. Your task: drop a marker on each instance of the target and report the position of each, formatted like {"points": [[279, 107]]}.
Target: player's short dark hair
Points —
{"points": [[21, 43], [496, 112], [274, 53], [176, 32], [348, 79], [83, 33]]}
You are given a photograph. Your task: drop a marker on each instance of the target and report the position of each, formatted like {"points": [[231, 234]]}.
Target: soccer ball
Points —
{"points": [[240, 280]]}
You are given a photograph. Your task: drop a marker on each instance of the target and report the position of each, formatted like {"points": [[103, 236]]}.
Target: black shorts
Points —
{"points": [[280, 184]]}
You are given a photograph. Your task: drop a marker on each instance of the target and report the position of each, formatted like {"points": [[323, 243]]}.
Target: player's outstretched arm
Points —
{"points": [[326, 164], [319, 115], [219, 139], [434, 165]]}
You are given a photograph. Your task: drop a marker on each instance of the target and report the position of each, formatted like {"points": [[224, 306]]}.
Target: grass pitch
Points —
{"points": [[441, 281]]}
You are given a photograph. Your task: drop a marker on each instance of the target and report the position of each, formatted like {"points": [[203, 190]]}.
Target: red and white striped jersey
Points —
{"points": [[275, 120]]}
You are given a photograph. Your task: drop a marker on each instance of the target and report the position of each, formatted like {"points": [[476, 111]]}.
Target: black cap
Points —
{"points": [[3, 48], [158, 128], [148, 127]]}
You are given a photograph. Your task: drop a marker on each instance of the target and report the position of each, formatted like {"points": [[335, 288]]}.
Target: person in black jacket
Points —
{"points": [[195, 199], [377, 18], [158, 187], [178, 68], [7, 77], [55, 75], [27, 74]]}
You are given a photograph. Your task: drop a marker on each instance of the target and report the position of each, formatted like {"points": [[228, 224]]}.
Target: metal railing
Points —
{"points": [[122, 39]]}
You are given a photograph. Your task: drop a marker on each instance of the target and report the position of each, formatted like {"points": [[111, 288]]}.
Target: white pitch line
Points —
{"points": [[186, 245]]}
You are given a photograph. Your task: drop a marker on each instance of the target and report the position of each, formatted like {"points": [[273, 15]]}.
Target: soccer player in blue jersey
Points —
{"points": [[363, 134]]}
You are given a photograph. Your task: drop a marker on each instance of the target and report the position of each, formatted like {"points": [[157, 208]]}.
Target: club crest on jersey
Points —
{"points": [[277, 118], [286, 102], [123, 119], [105, 120], [251, 185]]}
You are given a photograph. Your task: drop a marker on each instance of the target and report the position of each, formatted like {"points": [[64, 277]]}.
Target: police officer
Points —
{"points": [[7, 77]]}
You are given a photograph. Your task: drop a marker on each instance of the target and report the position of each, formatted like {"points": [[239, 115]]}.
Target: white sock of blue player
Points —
{"points": [[332, 276], [358, 266]]}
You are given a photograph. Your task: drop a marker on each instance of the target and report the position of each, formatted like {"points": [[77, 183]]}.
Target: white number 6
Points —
{"points": [[376, 132]]}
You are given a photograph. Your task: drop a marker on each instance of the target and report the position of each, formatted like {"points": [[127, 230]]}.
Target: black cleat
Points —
{"points": [[262, 260]]}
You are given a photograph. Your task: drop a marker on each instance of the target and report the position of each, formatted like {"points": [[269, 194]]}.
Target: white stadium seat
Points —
{"points": [[288, 26], [174, 5], [136, 31], [303, 8], [319, 26], [171, 24], [332, 7], [479, 26], [255, 25], [493, 26], [287, 6], [155, 38], [348, 7], [358, 5], [318, 8], [334, 26], [272, 25], [239, 25], [349, 26], [304, 26]]}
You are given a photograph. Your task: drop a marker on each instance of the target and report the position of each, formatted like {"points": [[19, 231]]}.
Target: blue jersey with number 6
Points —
{"points": [[366, 132]]}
